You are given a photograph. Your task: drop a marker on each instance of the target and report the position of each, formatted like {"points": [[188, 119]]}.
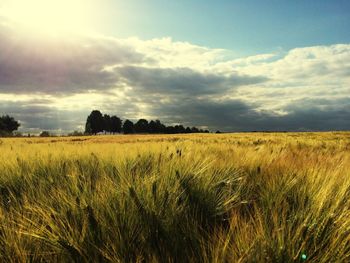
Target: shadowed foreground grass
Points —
{"points": [[188, 198]]}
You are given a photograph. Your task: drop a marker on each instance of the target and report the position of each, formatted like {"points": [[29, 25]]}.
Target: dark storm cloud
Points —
{"points": [[228, 115], [313, 119], [236, 115], [185, 81], [317, 114]]}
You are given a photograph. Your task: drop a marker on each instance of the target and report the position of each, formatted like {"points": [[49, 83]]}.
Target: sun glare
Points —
{"points": [[48, 15]]}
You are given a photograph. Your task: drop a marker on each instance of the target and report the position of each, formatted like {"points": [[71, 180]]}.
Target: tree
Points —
{"points": [[94, 122], [76, 133], [107, 125], [88, 129], [169, 129], [152, 127], [188, 130], [156, 127], [160, 127], [2, 125], [8, 124], [194, 130], [128, 127], [179, 129], [141, 126], [45, 134], [116, 124]]}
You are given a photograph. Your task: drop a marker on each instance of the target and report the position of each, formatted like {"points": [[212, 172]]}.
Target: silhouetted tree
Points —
{"points": [[45, 134], [180, 129], [8, 124], [128, 127], [152, 127], [2, 125], [194, 130], [88, 129], [141, 126], [116, 124], [156, 127], [94, 122], [160, 127], [169, 129], [76, 133], [107, 125]]}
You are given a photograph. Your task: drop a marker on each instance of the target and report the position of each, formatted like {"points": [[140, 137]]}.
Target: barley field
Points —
{"points": [[245, 197]]}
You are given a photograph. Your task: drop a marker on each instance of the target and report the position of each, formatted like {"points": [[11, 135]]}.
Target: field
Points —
{"points": [[245, 197]]}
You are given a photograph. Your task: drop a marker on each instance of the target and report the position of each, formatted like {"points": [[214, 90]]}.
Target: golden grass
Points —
{"points": [[245, 197]]}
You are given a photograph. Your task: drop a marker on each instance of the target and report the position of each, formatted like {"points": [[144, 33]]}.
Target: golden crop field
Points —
{"points": [[245, 197]]}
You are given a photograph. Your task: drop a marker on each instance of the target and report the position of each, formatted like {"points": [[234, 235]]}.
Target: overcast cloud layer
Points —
{"points": [[50, 83]]}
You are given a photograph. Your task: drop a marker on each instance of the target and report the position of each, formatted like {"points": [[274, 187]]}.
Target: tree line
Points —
{"points": [[97, 122], [8, 125]]}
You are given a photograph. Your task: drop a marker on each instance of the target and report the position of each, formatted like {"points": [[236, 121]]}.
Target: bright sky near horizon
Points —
{"points": [[230, 65]]}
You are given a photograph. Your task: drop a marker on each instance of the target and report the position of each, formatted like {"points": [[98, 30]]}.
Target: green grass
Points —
{"points": [[186, 198]]}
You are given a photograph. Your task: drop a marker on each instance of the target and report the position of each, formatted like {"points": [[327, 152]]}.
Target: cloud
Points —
{"points": [[52, 83], [182, 81], [167, 53], [237, 115], [33, 64]]}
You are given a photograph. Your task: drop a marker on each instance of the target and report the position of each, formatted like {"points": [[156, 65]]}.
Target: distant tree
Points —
{"points": [[141, 126], [218, 131], [116, 124], [107, 125], [128, 127], [156, 127], [160, 127], [94, 122], [180, 129], [169, 129], [18, 134], [45, 134], [88, 129], [76, 133], [2, 125], [194, 130], [188, 130], [152, 127], [8, 124]]}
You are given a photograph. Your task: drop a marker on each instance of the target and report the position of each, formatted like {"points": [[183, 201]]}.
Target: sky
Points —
{"points": [[228, 65]]}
